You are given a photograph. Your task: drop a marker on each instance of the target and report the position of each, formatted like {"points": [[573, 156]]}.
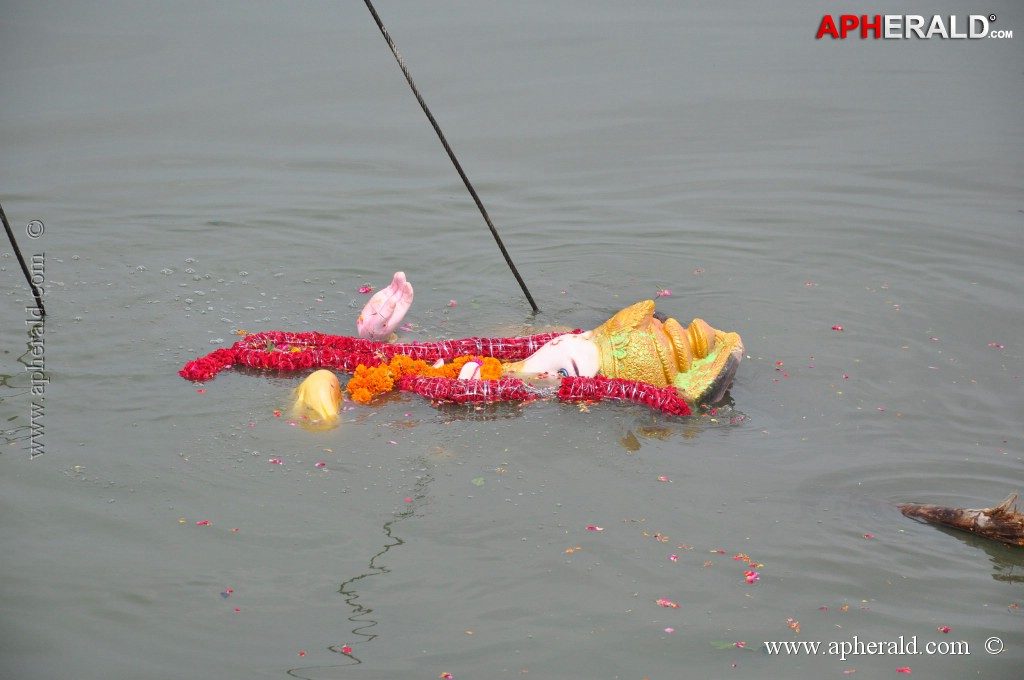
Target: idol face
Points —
{"points": [[566, 356]]}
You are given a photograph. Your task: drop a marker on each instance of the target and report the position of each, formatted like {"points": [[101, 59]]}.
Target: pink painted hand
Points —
{"points": [[385, 310]]}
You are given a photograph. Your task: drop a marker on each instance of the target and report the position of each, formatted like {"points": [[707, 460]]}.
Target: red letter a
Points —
{"points": [[827, 26]]}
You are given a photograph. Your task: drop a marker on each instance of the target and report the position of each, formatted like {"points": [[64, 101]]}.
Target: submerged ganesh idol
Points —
{"points": [[638, 344], [698, 361]]}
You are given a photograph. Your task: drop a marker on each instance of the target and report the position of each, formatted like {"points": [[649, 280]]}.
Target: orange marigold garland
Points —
{"points": [[369, 381]]}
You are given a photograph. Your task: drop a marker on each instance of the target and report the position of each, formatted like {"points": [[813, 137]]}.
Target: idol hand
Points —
{"points": [[385, 310]]}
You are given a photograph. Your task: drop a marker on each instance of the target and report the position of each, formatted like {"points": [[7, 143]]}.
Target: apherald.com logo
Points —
{"points": [[905, 26]]}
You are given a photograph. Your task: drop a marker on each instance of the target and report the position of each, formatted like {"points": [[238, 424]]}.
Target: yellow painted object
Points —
{"points": [[699, 361], [321, 394]]}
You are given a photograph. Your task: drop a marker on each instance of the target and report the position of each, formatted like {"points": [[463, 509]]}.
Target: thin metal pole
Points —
{"points": [[451, 154], [24, 267]]}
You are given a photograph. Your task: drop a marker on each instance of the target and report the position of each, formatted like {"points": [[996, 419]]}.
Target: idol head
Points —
{"points": [[567, 355]]}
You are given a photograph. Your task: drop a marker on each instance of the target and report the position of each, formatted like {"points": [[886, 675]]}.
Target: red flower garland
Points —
{"points": [[298, 351], [599, 387], [283, 351], [462, 391]]}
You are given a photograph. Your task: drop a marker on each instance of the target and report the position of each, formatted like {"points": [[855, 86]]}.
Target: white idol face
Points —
{"points": [[567, 355]]}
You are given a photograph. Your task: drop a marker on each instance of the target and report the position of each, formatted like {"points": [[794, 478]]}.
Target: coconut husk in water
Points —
{"points": [[1003, 523]]}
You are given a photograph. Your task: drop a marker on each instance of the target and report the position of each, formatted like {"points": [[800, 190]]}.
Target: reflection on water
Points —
{"points": [[364, 623], [722, 414], [1007, 561]]}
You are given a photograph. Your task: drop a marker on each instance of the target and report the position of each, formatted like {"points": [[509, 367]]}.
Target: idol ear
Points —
{"points": [[702, 338], [320, 393], [677, 335]]}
